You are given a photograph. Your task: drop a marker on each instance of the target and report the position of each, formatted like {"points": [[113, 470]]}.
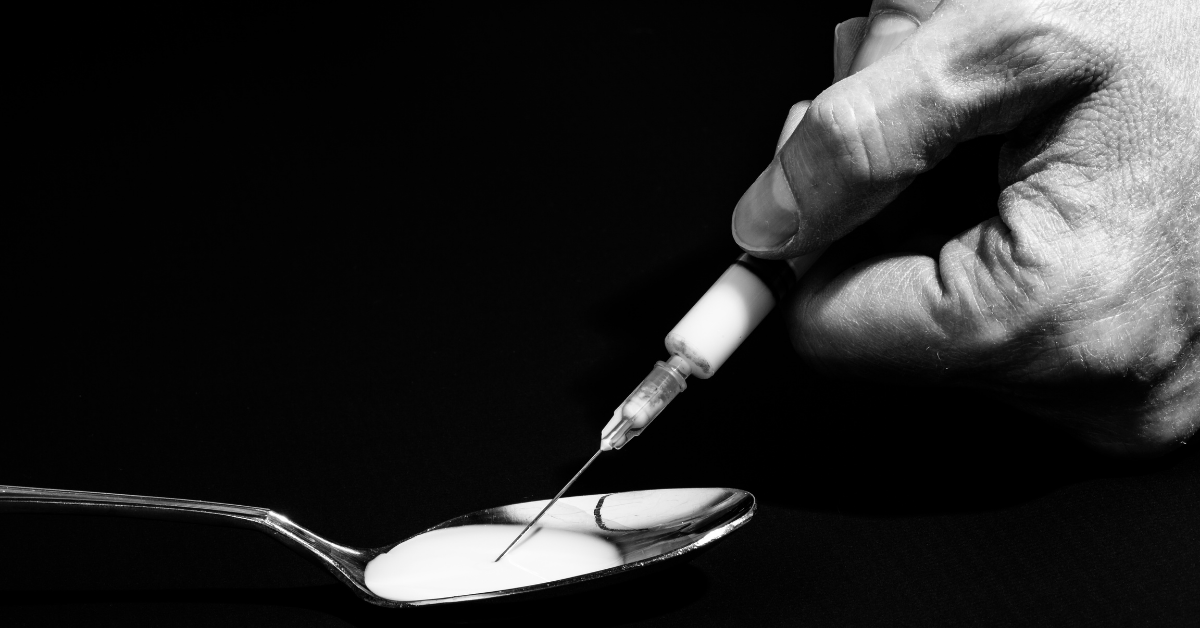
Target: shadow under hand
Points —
{"points": [[891, 450]]}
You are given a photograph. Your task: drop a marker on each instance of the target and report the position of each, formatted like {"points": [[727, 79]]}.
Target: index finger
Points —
{"points": [[890, 22]]}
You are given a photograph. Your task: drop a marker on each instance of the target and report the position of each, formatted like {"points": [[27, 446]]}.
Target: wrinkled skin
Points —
{"points": [[1080, 299]]}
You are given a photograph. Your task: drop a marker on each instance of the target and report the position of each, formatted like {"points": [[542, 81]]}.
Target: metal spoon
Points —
{"points": [[649, 528]]}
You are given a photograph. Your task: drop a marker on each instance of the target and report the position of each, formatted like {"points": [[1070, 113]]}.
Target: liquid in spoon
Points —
{"points": [[462, 561]]}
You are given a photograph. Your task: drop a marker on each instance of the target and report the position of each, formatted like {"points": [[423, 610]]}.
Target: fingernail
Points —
{"points": [[766, 217], [886, 32]]}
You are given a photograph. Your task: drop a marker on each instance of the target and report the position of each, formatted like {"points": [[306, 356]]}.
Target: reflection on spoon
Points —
{"points": [[462, 561]]}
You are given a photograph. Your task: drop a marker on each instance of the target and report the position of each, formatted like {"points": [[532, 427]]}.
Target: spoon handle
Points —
{"points": [[29, 499], [346, 563]]}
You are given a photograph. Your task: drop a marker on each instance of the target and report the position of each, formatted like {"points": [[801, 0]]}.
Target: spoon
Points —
{"points": [[648, 528]]}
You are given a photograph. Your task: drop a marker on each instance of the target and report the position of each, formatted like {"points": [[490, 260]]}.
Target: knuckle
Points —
{"points": [[1104, 341], [846, 130], [988, 286]]}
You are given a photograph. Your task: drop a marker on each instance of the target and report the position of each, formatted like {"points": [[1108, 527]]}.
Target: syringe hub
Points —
{"points": [[644, 404]]}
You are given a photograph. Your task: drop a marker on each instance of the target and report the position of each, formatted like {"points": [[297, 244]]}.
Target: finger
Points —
{"points": [[884, 33], [865, 138], [847, 38], [793, 120], [890, 22], [887, 27], [946, 318]]}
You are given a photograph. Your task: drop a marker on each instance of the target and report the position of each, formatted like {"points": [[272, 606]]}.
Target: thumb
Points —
{"points": [[865, 138]]}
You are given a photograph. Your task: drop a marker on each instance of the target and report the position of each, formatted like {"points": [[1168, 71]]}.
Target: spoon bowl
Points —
{"points": [[649, 529]]}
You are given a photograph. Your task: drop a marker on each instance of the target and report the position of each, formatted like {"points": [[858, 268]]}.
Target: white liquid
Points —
{"points": [[461, 561], [719, 322]]}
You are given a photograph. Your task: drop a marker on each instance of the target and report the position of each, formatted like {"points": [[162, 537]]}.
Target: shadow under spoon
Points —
{"points": [[648, 528]]}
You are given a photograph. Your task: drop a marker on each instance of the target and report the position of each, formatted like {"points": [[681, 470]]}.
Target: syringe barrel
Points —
{"points": [[724, 317], [645, 403]]}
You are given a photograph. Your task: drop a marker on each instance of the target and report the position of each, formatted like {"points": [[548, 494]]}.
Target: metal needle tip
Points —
{"points": [[539, 515]]}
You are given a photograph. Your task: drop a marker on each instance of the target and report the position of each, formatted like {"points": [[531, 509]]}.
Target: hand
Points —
{"points": [[1080, 299]]}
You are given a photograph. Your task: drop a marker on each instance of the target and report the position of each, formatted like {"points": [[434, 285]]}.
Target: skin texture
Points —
{"points": [[1080, 299]]}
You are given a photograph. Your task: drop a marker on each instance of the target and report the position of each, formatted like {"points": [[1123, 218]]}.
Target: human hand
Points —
{"points": [[1080, 299]]}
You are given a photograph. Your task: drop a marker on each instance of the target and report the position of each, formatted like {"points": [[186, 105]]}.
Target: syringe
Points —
{"points": [[699, 344], [705, 337], [719, 322]]}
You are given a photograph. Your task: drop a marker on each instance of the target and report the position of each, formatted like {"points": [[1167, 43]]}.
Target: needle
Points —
{"points": [[539, 515]]}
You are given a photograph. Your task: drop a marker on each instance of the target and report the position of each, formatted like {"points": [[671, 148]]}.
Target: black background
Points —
{"points": [[377, 272]]}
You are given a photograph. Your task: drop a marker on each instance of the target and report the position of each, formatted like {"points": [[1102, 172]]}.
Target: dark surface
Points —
{"points": [[379, 273]]}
